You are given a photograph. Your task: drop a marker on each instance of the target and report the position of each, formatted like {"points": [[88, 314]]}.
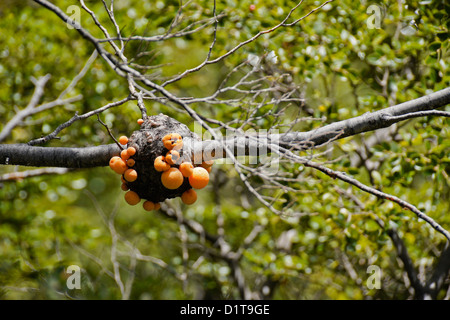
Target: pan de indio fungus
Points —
{"points": [[130, 175], [172, 179], [172, 157], [172, 141], [131, 151], [160, 164], [118, 165], [148, 206], [124, 155], [189, 196], [199, 178], [186, 169], [132, 198], [123, 140]]}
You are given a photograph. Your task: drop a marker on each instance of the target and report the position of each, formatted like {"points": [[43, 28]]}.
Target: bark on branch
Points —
{"points": [[367, 122], [25, 155]]}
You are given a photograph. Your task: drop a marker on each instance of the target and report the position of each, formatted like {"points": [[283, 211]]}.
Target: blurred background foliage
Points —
{"points": [[50, 222]]}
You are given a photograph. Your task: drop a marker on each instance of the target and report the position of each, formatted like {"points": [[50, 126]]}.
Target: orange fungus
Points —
{"points": [[172, 178], [132, 198], [189, 196], [199, 178]]}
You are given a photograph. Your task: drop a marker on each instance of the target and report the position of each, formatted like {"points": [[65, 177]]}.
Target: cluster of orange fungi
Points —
{"points": [[173, 171]]}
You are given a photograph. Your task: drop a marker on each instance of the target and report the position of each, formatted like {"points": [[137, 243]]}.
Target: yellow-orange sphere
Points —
{"points": [[199, 178], [189, 196], [118, 165], [148, 206], [130, 175], [160, 164], [172, 178], [186, 169], [132, 198]]}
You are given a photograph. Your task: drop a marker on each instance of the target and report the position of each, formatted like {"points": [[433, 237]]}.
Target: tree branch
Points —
{"points": [[342, 176], [25, 155], [30, 109], [437, 279], [403, 254], [370, 121], [20, 154], [20, 175]]}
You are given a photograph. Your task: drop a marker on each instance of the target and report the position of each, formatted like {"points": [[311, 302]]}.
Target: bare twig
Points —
{"points": [[207, 61], [190, 29], [20, 175], [76, 117], [80, 75], [418, 114], [109, 132]]}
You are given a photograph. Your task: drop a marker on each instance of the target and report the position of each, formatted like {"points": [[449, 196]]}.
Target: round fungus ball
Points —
{"points": [[199, 178], [172, 178], [132, 198], [172, 141], [118, 165], [186, 169], [160, 164], [189, 196], [148, 205], [123, 140], [172, 157], [131, 151], [130, 175]]}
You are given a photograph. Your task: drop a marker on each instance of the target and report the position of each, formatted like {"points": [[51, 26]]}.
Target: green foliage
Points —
{"points": [[50, 222]]}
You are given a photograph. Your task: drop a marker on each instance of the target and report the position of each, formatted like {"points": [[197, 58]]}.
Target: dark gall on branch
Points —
{"points": [[148, 142]]}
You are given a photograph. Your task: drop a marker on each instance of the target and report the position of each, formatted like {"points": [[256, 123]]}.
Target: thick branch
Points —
{"points": [[25, 155], [365, 123], [373, 120]]}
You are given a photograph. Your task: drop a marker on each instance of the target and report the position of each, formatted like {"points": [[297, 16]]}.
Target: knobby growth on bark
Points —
{"points": [[148, 144]]}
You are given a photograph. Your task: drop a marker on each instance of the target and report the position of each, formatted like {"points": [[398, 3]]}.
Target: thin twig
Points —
{"points": [[20, 175], [109, 132], [76, 117]]}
